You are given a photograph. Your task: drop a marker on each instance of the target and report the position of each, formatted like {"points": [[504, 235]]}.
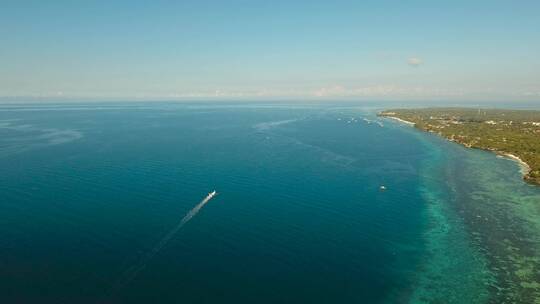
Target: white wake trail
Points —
{"points": [[132, 272]]}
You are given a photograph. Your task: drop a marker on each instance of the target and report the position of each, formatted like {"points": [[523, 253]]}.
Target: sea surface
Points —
{"points": [[108, 203]]}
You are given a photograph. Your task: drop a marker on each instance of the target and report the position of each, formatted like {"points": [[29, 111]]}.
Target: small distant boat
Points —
{"points": [[382, 188], [212, 194]]}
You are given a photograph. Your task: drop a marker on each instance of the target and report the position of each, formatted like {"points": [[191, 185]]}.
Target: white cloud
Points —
{"points": [[335, 90], [383, 90], [387, 90], [414, 61], [531, 94]]}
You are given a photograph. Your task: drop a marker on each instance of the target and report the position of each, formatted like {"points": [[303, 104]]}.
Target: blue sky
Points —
{"points": [[402, 50]]}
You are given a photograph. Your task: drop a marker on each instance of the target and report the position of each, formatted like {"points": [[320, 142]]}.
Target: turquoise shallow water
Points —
{"points": [[88, 191]]}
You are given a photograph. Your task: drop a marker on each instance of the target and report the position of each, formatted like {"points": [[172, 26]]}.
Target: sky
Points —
{"points": [[306, 49]]}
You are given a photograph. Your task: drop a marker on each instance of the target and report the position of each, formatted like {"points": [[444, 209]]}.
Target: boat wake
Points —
{"points": [[131, 273]]}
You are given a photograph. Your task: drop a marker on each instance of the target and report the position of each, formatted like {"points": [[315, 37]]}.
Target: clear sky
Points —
{"points": [[429, 50]]}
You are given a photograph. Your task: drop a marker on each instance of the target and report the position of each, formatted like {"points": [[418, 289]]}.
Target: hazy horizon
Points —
{"points": [[307, 50]]}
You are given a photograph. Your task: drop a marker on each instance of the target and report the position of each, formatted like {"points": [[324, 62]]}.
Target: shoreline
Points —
{"points": [[410, 123], [524, 167], [498, 221]]}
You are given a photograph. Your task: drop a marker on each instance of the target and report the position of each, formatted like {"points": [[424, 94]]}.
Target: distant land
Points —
{"points": [[512, 133]]}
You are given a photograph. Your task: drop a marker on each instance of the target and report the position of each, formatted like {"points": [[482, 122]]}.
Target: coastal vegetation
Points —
{"points": [[514, 133]]}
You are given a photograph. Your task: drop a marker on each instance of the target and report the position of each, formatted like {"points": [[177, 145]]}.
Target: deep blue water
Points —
{"points": [[87, 191]]}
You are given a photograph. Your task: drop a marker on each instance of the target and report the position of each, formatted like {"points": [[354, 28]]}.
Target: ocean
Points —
{"points": [[108, 203]]}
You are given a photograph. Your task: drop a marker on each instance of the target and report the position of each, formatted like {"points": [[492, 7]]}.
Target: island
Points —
{"points": [[511, 133]]}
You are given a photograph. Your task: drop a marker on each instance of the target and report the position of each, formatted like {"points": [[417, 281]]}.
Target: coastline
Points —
{"points": [[500, 215], [525, 168], [410, 123]]}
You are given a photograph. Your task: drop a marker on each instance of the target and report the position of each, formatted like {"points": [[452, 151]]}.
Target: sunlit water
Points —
{"points": [[88, 192]]}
